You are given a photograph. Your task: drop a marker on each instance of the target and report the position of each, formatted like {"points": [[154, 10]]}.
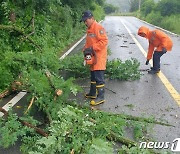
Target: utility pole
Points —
{"points": [[139, 5]]}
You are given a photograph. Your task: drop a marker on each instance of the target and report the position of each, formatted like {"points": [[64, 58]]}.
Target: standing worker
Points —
{"points": [[158, 41], [95, 53]]}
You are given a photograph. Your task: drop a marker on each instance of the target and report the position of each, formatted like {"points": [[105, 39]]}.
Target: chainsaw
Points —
{"points": [[90, 56]]}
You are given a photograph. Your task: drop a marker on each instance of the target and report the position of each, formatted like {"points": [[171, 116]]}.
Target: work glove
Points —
{"points": [[147, 62], [164, 50], [88, 51]]}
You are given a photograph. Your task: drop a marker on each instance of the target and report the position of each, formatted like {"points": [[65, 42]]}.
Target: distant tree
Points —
{"points": [[147, 7], [78, 3], [134, 4], [168, 7], [100, 2], [109, 8]]}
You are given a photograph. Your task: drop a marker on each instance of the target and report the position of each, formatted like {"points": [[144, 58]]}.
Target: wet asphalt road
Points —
{"points": [[147, 96]]}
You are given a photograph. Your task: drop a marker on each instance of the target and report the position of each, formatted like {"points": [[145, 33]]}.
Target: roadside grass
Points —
{"points": [[170, 23]]}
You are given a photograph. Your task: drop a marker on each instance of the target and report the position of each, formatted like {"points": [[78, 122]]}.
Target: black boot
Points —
{"points": [[92, 92], [152, 68], [100, 97], [153, 71]]}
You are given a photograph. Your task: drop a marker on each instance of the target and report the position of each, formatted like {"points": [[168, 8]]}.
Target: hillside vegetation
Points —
{"points": [[164, 13], [28, 28]]}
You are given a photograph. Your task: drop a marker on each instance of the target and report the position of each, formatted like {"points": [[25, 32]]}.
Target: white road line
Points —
{"points": [[175, 95], [72, 48], [12, 102]]}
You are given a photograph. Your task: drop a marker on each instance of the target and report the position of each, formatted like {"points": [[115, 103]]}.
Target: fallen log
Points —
{"points": [[124, 116], [129, 117], [114, 137], [12, 88], [129, 143], [4, 93], [38, 130], [3, 111]]}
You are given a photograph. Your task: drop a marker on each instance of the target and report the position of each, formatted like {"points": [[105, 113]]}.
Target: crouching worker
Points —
{"points": [[95, 53], [159, 44]]}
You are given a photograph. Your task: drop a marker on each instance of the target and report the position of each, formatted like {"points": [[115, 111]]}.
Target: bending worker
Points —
{"points": [[158, 41], [95, 53]]}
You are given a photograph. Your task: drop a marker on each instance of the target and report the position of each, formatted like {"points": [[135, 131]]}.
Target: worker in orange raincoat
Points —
{"points": [[159, 44], [96, 43]]}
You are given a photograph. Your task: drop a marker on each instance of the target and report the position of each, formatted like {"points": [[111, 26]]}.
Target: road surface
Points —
{"points": [[152, 95]]}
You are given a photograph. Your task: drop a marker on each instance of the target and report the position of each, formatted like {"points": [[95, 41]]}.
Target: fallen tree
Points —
{"points": [[38, 130]]}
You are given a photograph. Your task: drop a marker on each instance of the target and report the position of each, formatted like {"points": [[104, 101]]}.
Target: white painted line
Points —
{"points": [[12, 102], [159, 28], [75, 45]]}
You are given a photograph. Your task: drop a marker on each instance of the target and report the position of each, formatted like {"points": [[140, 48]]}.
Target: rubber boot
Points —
{"points": [[153, 71], [92, 92], [100, 97], [152, 68]]}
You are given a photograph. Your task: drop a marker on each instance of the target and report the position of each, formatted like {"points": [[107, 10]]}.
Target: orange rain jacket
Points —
{"points": [[97, 39], [157, 39]]}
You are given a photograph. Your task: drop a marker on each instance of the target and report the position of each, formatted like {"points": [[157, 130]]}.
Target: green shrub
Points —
{"points": [[109, 8], [154, 18], [147, 7], [167, 7], [127, 70], [171, 23], [116, 69], [98, 12]]}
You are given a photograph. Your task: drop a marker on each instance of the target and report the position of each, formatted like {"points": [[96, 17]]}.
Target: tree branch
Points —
{"points": [[38, 130], [20, 31]]}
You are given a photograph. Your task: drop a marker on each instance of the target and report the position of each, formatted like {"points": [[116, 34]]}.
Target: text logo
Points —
{"points": [[154, 145], [175, 145]]}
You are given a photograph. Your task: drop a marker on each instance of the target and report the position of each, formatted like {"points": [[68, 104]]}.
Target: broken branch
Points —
{"points": [[129, 117], [20, 31], [30, 104], [3, 111], [130, 143], [114, 137], [4, 93], [38, 130], [58, 92]]}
